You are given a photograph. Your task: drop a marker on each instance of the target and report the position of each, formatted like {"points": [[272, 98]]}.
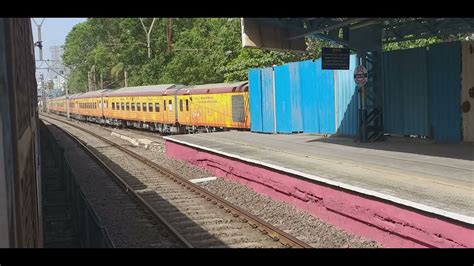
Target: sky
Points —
{"points": [[53, 32]]}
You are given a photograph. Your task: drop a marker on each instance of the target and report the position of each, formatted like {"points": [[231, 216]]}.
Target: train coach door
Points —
{"points": [[176, 106], [187, 110]]}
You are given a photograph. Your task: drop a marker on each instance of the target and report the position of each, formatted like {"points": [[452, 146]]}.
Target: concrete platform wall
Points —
{"points": [[390, 225]]}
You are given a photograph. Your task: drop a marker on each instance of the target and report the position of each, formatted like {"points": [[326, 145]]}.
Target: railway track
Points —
{"points": [[194, 215], [129, 224]]}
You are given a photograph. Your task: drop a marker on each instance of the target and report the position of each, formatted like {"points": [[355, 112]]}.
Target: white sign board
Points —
{"points": [[360, 76]]}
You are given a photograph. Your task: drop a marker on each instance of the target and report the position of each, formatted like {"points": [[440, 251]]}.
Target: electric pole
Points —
{"points": [[89, 80], [43, 92], [169, 33], [148, 34], [39, 43], [67, 100], [94, 82], [125, 76]]}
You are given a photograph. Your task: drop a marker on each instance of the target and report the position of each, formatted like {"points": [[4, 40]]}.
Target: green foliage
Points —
{"points": [[204, 50], [411, 44], [422, 42]]}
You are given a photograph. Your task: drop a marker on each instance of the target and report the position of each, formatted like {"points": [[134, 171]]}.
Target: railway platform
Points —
{"points": [[400, 193]]}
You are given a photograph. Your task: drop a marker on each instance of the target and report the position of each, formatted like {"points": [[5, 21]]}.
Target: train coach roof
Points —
{"points": [[90, 94], [75, 95], [215, 88], [58, 98], [150, 90]]}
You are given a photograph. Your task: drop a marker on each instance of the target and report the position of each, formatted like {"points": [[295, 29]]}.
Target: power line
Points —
{"points": [[52, 69]]}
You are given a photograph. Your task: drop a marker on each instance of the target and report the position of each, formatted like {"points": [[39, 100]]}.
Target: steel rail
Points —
{"points": [[246, 217]]}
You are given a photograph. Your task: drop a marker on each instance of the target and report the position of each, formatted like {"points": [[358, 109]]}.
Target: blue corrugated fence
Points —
{"points": [[421, 95]]}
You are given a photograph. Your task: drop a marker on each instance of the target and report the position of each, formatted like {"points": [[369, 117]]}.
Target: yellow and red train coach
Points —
{"points": [[164, 108], [217, 105]]}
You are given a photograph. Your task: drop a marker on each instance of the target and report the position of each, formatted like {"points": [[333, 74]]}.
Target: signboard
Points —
{"points": [[360, 76], [335, 58]]}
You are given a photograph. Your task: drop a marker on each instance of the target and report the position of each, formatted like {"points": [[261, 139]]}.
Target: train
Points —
{"points": [[165, 108]]}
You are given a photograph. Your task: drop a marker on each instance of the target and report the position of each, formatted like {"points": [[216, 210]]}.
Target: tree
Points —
{"points": [[204, 50]]}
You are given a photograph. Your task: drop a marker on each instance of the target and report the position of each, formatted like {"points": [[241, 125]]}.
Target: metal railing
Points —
{"points": [[87, 224]]}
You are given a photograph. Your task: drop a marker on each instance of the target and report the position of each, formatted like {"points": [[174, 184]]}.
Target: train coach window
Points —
{"points": [[164, 105], [144, 107], [123, 105], [187, 105], [113, 106], [139, 107], [133, 106], [150, 107], [157, 107], [128, 106], [181, 105], [238, 108], [170, 105]]}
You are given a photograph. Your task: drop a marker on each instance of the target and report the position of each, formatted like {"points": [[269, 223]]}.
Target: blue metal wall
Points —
{"points": [[406, 92], [255, 98], [288, 98], [268, 100], [283, 105], [421, 95], [444, 62], [422, 92], [325, 99], [347, 111], [309, 107], [317, 97], [295, 94], [304, 99]]}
